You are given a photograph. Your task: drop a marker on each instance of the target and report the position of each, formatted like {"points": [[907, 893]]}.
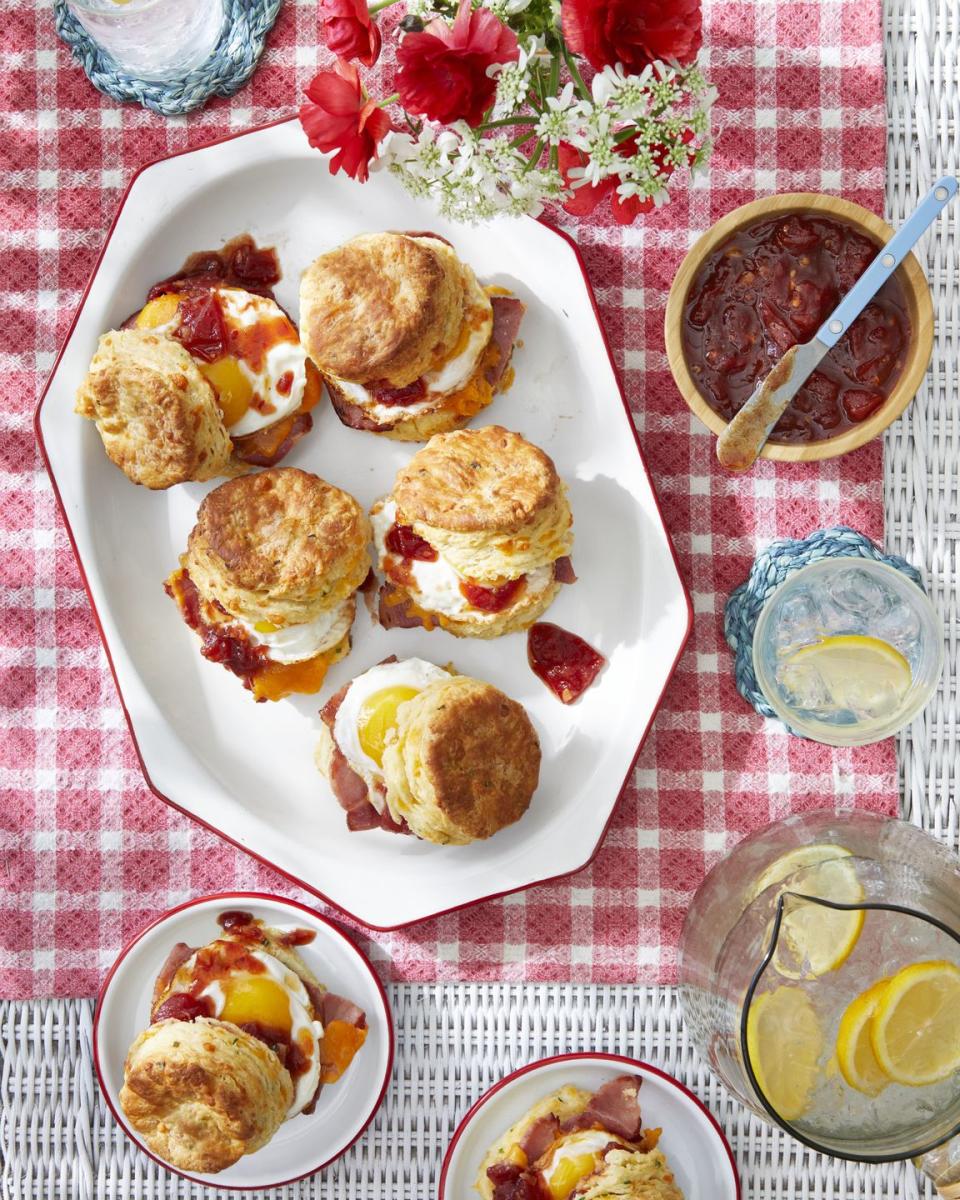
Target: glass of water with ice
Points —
{"points": [[157, 40], [847, 651]]}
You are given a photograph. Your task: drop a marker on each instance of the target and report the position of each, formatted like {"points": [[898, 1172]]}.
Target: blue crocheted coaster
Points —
{"points": [[230, 65], [770, 568]]}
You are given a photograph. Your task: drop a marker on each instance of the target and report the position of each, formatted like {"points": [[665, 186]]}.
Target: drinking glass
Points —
{"points": [[733, 956], [154, 39], [859, 605]]}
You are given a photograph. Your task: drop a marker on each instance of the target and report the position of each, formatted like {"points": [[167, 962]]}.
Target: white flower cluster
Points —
{"points": [[637, 129]]}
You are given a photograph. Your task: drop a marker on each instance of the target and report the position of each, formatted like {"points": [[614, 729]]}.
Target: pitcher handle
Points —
{"points": [[942, 1164]]}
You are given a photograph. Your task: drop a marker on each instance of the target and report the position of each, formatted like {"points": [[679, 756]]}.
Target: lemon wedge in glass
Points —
{"points": [[915, 1027], [855, 1057], [813, 939], [785, 1041], [864, 675]]}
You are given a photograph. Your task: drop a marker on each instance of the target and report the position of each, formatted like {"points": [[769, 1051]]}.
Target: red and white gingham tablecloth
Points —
{"points": [[88, 855]]}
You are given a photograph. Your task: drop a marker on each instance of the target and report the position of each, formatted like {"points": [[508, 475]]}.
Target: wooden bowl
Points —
{"points": [[912, 280]]}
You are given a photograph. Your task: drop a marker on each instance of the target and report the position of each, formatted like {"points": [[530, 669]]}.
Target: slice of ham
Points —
{"points": [[261, 449], [616, 1107], [539, 1137], [348, 787], [394, 614], [507, 314], [513, 1183], [174, 961], [352, 415], [563, 571], [338, 1008]]}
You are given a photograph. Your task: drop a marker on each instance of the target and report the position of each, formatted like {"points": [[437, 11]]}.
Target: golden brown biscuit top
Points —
{"points": [[476, 480], [481, 755], [381, 306], [279, 529]]}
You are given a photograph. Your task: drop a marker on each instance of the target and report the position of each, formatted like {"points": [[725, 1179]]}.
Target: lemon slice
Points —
{"points": [[785, 1041], [855, 1057], [814, 940], [863, 674], [915, 1028]]}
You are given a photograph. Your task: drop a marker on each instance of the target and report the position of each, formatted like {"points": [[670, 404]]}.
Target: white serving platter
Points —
{"points": [[693, 1142], [246, 770], [308, 1142]]}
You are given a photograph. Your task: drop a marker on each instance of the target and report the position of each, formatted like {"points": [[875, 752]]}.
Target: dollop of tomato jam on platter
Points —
{"points": [[770, 286]]}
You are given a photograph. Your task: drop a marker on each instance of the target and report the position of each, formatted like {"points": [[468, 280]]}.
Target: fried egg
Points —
{"points": [[252, 988], [436, 585], [295, 643], [448, 376], [261, 376], [576, 1157], [368, 712]]}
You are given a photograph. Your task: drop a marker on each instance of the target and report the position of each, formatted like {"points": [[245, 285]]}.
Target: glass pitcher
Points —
{"points": [[820, 978]]}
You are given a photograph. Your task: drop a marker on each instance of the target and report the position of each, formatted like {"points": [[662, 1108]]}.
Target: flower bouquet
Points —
{"points": [[505, 106]]}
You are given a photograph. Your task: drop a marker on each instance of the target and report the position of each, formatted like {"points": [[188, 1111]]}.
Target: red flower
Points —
{"points": [[632, 32], [348, 30], [625, 209], [586, 197], [338, 115], [443, 70]]}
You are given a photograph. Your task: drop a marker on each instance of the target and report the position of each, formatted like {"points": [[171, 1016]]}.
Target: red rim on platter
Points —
{"points": [[591, 851], [620, 1061], [225, 900]]}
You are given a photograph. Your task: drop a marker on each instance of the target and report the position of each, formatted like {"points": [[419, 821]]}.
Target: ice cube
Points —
{"points": [[799, 622], [859, 594]]}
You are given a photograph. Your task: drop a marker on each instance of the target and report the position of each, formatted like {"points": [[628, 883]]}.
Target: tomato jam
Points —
{"points": [[402, 540], [494, 599], [241, 263], [563, 660], [772, 285]]}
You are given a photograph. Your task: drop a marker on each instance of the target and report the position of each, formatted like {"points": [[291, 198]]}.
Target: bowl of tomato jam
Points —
{"points": [[764, 278]]}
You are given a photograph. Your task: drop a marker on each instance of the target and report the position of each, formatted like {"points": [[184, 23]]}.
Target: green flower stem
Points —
{"points": [[379, 6], [575, 73], [554, 76], [534, 157], [504, 121], [388, 101]]}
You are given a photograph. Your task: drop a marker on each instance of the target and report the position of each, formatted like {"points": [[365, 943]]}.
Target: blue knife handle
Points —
{"points": [[887, 261]]}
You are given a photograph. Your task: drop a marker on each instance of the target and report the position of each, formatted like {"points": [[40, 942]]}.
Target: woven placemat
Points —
{"points": [[233, 60]]}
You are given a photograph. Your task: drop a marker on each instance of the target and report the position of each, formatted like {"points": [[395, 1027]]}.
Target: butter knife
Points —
{"points": [[744, 437]]}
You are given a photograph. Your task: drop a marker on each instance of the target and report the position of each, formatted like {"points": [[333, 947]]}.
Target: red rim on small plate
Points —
{"points": [[693, 1142], [345, 1109]]}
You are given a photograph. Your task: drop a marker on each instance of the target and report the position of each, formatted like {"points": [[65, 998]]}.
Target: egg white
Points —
{"points": [[437, 583], [294, 643], [243, 309], [305, 1085], [410, 672]]}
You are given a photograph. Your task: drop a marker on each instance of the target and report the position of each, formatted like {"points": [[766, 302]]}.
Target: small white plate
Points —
{"points": [[692, 1141], [246, 770], [304, 1144]]}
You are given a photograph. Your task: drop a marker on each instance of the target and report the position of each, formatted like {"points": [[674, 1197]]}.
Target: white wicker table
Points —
{"points": [[56, 1136]]}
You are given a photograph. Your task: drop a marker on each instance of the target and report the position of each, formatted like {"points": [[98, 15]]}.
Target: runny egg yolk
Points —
{"points": [[234, 390], [159, 311], [568, 1173], [254, 999], [377, 716]]}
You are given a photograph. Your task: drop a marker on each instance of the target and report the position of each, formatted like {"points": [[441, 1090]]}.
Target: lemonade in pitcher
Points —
{"points": [[853, 1026], [820, 977]]}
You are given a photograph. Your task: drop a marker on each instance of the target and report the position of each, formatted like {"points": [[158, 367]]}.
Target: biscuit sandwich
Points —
{"points": [[270, 576], [580, 1145], [475, 537], [243, 1037], [406, 339], [203, 381], [415, 748]]}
